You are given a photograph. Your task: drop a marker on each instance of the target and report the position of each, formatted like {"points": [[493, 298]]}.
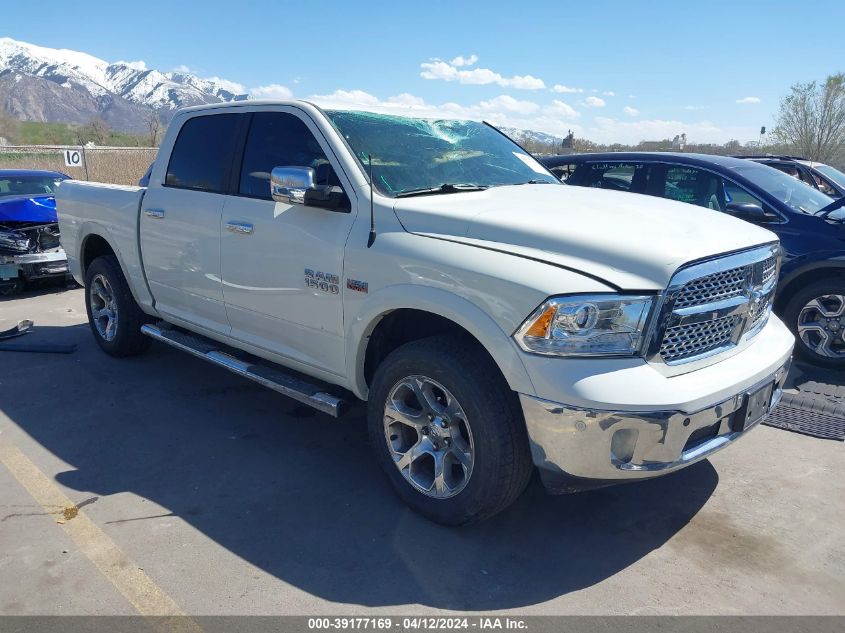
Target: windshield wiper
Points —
{"points": [[444, 188], [833, 206], [533, 182]]}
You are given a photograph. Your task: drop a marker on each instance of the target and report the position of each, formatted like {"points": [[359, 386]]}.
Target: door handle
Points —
{"points": [[154, 213], [239, 227]]}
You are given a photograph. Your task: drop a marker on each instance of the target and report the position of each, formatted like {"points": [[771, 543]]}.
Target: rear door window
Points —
{"points": [[564, 172], [694, 186], [203, 152], [615, 176]]}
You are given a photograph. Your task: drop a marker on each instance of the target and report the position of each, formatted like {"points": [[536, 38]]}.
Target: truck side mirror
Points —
{"points": [[747, 211], [295, 185]]}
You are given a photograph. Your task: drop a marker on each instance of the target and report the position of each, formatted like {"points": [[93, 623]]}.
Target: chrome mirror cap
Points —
{"points": [[289, 184]]}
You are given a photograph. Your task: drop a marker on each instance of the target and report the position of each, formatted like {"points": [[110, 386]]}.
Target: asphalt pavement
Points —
{"points": [[162, 484]]}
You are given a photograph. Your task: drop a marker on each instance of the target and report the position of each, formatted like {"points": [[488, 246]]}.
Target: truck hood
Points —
{"points": [[631, 241], [41, 209]]}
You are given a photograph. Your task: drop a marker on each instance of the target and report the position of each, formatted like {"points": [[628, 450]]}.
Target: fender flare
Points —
{"points": [[446, 304], [92, 228], [814, 265]]}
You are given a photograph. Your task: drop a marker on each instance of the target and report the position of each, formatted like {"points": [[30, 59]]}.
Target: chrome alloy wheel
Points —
{"points": [[103, 307], [821, 325], [428, 436]]}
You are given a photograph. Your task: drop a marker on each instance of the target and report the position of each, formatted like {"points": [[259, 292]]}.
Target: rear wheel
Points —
{"points": [[113, 315], [447, 431], [816, 315]]}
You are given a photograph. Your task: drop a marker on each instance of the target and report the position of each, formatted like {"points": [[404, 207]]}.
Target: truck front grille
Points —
{"points": [[716, 287], [711, 307], [683, 341]]}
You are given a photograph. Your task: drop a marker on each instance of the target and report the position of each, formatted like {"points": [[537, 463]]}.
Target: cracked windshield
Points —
{"points": [[416, 155]]}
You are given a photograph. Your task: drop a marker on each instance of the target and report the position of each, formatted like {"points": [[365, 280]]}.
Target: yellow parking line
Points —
{"points": [[138, 588]]}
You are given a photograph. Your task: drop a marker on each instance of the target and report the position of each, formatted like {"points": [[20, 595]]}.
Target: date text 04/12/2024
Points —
{"points": [[416, 623]]}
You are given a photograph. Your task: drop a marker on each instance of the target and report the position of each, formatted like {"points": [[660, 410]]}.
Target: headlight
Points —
{"points": [[586, 325]]}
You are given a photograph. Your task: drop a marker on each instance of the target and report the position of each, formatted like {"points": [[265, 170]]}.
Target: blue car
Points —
{"points": [[30, 248], [810, 225]]}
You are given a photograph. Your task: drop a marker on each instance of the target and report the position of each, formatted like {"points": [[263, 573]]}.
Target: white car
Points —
{"points": [[494, 319]]}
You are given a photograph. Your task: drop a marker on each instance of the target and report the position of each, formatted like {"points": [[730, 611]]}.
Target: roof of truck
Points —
{"points": [[246, 103]]}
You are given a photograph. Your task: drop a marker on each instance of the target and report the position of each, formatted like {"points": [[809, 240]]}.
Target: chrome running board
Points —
{"points": [[274, 378]]}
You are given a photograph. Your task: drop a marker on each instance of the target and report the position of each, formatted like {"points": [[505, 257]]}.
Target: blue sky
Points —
{"points": [[639, 70]]}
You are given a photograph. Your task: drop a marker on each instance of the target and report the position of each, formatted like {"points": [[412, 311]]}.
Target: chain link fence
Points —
{"points": [[119, 165]]}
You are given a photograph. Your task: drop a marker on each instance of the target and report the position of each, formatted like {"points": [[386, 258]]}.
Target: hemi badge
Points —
{"points": [[358, 286]]}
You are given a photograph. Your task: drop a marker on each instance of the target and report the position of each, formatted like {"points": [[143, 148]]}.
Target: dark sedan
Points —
{"points": [[811, 294]]}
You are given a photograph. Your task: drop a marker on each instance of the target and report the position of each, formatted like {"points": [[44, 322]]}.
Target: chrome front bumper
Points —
{"points": [[577, 449]]}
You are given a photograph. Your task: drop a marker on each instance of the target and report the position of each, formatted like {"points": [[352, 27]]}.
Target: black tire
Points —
{"points": [[502, 462], [127, 339], [792, 311]]}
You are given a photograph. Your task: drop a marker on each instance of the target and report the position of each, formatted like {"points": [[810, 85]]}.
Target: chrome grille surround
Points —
{"points": [[714, 306]]}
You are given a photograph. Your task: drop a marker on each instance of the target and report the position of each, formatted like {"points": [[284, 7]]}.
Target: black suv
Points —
{"points": [[811, 290]]}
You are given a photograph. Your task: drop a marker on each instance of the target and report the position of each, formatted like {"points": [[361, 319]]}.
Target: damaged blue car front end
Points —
{"points": [[30, 247]]}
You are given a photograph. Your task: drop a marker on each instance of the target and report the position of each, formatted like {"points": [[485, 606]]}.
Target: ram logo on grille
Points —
{"points": [[712, 307]]}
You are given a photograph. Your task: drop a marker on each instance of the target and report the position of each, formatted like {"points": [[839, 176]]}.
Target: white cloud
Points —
{"points": [[406, 99], [594, 102], [749, 100], [695, 107], [138, 65], [557, 118], [271, 91], [351, 99], [460, 60], [509, 104], [562, 110], [560, 88], [608, 130], [416, 106], [444, 71], [231, 86], [609, 93], [182, 68], [630, 111], [632, 96]]}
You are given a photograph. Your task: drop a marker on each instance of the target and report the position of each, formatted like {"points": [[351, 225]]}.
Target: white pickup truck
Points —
{"points": [[494, 319]]}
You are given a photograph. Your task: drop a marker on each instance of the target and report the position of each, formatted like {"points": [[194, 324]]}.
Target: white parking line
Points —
{"points": [[138, 588]]}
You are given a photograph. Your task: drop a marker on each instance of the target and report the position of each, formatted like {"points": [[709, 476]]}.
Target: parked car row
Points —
{"points": [[809, 223], [30, 246]]}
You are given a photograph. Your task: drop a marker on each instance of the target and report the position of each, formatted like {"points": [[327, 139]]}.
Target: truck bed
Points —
{"points": [[102, 209]]}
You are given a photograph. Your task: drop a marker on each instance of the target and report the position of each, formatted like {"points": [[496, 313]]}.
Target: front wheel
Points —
{"points": [[816, 315], [447, 431]]}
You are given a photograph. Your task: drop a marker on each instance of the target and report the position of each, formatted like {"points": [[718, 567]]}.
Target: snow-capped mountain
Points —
{"points": [[59, 85], [527, 136], [48, 84]]}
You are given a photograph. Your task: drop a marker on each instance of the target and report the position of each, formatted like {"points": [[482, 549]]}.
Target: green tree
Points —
{"points": [[812, 118], [10, 127]]}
